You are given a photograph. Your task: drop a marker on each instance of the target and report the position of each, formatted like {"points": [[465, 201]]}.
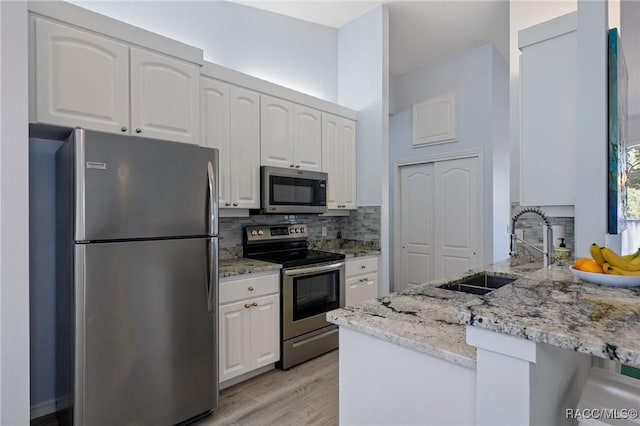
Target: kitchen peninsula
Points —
{"points": [[518, 355]]}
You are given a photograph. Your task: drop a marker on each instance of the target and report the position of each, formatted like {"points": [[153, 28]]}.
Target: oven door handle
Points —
{"points": [[311, 270]]}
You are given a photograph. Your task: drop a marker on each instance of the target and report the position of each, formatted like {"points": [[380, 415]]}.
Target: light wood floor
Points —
{"points": [[305, 395]]}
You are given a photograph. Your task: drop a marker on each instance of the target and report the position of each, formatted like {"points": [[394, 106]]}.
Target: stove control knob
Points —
{"points": [[291, 230], [254, 232], [302, 230], [260, 232]]}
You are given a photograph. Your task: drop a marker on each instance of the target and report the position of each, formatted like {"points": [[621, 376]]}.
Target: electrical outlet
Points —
{"points": [[324, 231]]}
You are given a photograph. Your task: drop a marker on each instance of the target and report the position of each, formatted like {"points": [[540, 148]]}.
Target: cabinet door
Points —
{"points": [[348, 141], [80, 79], [369, 287], [245, 148], [332, 160], [164, 97], [548, 121], [307, 139], [215, 131], [235, 340], [265, 331], [352, 294], [276, 132]]}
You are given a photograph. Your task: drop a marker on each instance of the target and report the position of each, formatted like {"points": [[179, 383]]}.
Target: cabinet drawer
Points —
{"points": [[248, 287], [361, 266]]}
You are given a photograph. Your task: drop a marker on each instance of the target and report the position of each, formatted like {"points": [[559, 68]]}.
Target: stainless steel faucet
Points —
{"points": [[548, 256]]}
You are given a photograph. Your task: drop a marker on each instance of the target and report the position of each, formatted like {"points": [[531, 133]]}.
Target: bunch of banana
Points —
{"points": [[613, 263]]}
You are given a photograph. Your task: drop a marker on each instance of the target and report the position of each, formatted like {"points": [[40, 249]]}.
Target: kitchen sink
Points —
{"points": [[478, 284]]}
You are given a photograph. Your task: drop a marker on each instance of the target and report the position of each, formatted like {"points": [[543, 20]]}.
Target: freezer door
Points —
{"points": [[145, 345], [129, 187]]}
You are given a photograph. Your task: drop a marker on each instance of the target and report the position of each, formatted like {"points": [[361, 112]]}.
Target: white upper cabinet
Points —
{"points": [[548, 112], [245, 148], [291, 135], [86, 80], [81, 79], [307, 126], [164, 97], [339, 161], [276, 132], [231, 123]]}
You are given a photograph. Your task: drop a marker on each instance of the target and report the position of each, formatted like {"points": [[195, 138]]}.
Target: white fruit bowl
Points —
{"points": [[606, 279]]}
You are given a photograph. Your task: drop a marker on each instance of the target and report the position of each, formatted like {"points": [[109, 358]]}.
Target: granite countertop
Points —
{"points": [[243, 265], [545, 305], [355, 252]]}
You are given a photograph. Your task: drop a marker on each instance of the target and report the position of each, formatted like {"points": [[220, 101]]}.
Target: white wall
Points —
{"points": [[363, 85], [14, 219], [591, 126], [479, 78], [634, 130], [524, 14], [277, 48]]}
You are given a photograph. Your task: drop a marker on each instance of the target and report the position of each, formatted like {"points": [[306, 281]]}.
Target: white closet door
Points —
{"points": [[457, 213], [416, 223]]}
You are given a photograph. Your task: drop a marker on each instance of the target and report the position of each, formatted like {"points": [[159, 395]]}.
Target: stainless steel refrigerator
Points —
{"points": [[137, 279]]}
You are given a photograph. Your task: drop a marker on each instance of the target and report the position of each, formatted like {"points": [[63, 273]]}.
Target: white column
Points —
{"points": [[14, 215], [591, 126]]}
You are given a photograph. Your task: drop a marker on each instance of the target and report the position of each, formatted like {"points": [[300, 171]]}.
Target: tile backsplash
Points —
{"points": [[362, 224]]}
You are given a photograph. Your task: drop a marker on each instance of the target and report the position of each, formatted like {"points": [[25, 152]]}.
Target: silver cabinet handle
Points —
{"points": [[254, 304], [298, 166], [363, 267], [250, 289], [227, 204], [138, 130], [291, 165], [123, 129], [235, 204], [247, 305]]}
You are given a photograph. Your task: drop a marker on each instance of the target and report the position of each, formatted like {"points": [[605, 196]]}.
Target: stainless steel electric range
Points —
{"points": [[312, 283]]}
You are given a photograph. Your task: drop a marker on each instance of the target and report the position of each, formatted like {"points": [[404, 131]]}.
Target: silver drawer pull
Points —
{"points": [[254, 304], [250, 289], [363, 267], [247, 305]]}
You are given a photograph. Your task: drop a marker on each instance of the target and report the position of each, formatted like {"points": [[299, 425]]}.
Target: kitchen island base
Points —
{"points": [[382, 383]]}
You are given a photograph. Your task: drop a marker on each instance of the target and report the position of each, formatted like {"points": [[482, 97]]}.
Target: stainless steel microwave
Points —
{"points": [[293, 190]]}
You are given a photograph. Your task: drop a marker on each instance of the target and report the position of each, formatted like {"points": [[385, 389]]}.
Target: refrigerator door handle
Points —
{"points": [[212, 285], [213, 198]]}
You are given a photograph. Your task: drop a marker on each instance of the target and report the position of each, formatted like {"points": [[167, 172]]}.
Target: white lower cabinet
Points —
{"points": [[249, 320], [361, 280]]}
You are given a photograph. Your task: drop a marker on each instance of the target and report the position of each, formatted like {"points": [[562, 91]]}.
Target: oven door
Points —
{"points": [[308, 293], [293, 191]]}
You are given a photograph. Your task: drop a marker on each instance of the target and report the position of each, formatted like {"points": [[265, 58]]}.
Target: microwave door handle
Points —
{"points": [[313, 269]]}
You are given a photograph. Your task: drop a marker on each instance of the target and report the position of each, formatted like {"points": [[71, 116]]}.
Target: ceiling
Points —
{"points": [[416, 28], [423, 32]]}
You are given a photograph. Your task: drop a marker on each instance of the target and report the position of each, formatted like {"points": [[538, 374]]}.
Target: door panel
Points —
{"points": [[143, 187], [215, 131], [457, 211], [245, 148], [164, 97], [276, 132], [416, 207], [68, 65], [145, 338], [307, 138], [350, 161], [265, 339], [235, 345], [332, 160]]}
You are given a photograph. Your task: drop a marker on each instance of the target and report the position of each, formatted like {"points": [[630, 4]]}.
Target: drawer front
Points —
{"points": [[361, 266], [248, 287]]}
